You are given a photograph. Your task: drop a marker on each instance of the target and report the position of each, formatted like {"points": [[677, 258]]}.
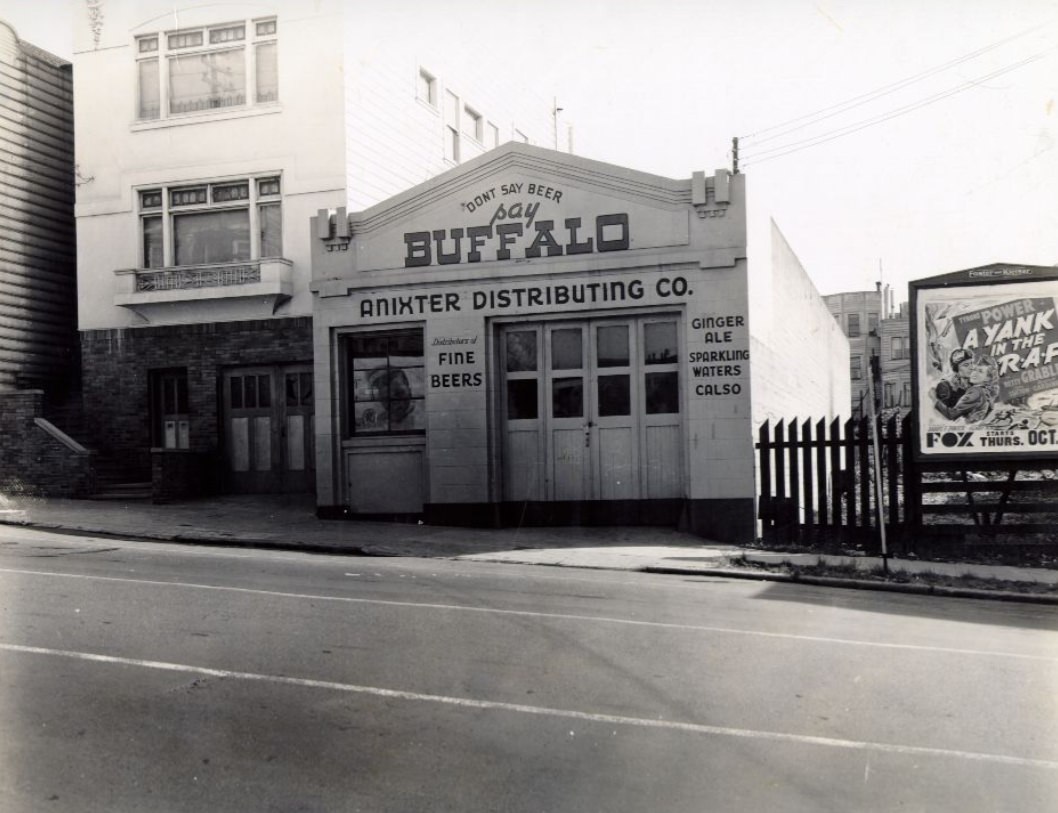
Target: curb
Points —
{"points": [[861, 584], [381, 551]]}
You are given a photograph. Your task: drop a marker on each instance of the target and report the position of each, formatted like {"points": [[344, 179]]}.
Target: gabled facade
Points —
{"points": [[534, 337], [207, 135]]}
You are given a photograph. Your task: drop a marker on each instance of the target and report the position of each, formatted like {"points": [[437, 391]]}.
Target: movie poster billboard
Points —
{"points": [[987, 370]]}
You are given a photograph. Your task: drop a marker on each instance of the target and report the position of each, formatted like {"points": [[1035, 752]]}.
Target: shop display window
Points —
{"points": [[387, 383]]}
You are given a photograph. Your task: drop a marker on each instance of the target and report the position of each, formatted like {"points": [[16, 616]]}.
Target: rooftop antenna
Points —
{"points": [[555, 110], [734, 155]]}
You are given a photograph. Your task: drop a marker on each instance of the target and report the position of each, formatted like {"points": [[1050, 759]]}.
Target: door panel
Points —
{"points": [[594, 404], [268, 429]]}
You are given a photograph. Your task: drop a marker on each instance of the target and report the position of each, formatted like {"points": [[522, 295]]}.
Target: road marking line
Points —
{"points": [[543, 711], [551, 616]]}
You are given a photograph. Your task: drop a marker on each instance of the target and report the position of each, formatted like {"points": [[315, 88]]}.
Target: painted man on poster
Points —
{"points": [[988, 362]]}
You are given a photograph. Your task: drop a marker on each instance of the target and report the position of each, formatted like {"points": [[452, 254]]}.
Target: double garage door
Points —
{"points": [[592, 410]]}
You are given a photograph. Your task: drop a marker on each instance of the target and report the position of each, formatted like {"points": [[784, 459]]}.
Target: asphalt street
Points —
{"points": [[154, 677]]}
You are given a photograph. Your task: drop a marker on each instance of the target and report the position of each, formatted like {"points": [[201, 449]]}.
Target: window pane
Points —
{"points": [[452, 144], [264, 390], [235, 385], [521, 351], [150, 98], [267, 72], [854, 324], [225, 193], [191, 39], [566, 352], [207, 81], [614, 395], [188, 197], [427, 89], [405, 347], [153, 256], [212, 237], [292, 389], [169, 395], [567, 398], [267, 186], [407, 415], [613, 346], [230, 33], [271, 222], [663, 393], [181, 394], [266, 27], [306, 388], [250, 392], [659, 342], [521, 399]]}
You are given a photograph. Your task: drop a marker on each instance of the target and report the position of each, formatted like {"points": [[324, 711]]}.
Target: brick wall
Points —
{"points": [[33, 461], [116, 371]]}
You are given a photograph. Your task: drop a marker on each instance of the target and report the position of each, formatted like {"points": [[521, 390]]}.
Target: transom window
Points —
{"points": [[205, 69], [211, 223]]}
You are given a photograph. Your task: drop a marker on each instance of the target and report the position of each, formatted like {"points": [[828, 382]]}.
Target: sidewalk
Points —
{"points": [[290, 522]]}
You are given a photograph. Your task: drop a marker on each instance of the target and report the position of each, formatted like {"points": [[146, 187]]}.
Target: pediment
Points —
{"points": [[519, 204]]}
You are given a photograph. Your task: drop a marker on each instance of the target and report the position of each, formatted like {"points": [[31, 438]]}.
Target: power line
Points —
{"points": [[786, 149], [857, 101]]}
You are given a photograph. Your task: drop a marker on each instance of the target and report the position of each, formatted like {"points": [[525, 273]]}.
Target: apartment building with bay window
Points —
{"points": [[206, 137]]}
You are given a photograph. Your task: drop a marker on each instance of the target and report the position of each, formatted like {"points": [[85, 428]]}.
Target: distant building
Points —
{"points": [[38, 304], [208, 135], [895, 350], [875, 329]]}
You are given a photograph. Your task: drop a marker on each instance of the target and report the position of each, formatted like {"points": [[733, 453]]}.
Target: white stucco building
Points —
{"points": [[537, 337], [206, 137]]}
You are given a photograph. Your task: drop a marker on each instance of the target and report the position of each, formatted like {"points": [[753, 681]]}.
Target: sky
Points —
{"points": [[891, 140]]}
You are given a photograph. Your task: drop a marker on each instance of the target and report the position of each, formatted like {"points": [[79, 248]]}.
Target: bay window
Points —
{"points": [[211, 223], [213, 68]]}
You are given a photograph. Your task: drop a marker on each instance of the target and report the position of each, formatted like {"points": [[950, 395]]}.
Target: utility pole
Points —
{"points": [[734, 155]]}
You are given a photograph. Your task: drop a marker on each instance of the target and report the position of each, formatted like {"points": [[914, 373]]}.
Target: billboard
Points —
{"points": [[986, 363]]}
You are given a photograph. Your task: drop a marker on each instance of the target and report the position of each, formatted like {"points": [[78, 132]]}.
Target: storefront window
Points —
{"points": [[387, 382]]}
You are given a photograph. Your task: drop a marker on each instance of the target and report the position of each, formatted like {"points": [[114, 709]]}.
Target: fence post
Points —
{"points": [[821, 471], [863, 481], [806, 471], [837, 477], [793, 513], [780, 479], [849, 474], [765, 509], [892, 473]]}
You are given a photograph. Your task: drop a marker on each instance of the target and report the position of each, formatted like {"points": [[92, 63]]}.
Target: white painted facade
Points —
{"points": [[530, 248], [345, 127]]}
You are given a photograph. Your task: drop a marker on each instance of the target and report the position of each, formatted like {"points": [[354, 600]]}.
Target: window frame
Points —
{"points": [[167, 203], [349, 382], [854, 327], [163, 47], [856, 367], [426, 88]]}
